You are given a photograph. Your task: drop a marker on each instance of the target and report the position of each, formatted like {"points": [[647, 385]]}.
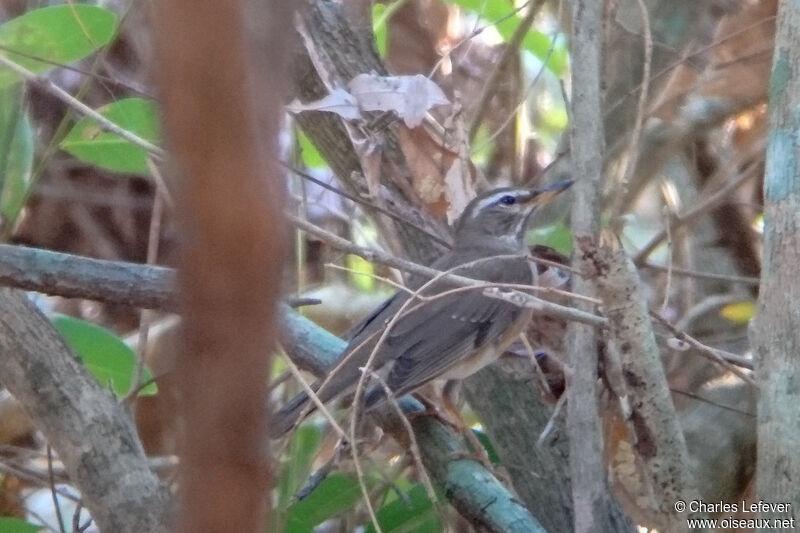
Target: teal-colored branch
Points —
{"points": [[73, 276], [468, 485]]}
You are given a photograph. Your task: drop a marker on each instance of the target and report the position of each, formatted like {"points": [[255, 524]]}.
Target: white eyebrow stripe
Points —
{"points": [[491, 199]]}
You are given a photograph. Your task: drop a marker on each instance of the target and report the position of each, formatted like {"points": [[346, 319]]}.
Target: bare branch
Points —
{"points": [[80, 107], [92, 433], [657, 435], [592, 504]]}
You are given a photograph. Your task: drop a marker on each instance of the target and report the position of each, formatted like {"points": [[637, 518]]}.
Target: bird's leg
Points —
{"points": [[449, 399], [430, 409], [455, 421]]}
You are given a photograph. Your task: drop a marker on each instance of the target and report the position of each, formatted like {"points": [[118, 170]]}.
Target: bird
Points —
{"points": [[449, 337]]}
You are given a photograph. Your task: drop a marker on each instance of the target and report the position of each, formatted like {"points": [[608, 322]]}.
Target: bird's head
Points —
{"points": [[501, 215]]}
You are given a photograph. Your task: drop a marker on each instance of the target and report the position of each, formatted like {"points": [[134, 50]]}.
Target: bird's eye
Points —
{"points": [[508, 200]]}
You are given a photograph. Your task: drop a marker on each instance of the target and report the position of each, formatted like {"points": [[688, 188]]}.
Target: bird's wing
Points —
{"points": [[430, 336], [424, 342], [442, 332]]}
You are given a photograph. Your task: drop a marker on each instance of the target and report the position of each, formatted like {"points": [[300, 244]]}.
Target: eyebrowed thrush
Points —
{"points": [[451, 336]]}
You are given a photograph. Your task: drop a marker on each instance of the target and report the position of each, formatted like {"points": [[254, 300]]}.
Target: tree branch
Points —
{"points": [[592, 505], [71, 276], [93, 434], [655, 431], [776, 336]]}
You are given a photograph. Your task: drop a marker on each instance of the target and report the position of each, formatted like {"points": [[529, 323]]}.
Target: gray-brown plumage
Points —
{"points": [[452, 336]]}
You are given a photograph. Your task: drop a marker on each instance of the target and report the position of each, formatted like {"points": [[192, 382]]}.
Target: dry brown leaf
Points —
{"points": [[629, 486], [427, 162]]}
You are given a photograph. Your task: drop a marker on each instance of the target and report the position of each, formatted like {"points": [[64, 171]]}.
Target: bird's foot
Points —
{"points": [[479, 455], [432, 410]]}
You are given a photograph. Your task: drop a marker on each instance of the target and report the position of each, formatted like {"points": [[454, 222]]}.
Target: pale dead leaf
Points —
{"points": [[408, 96], [338, 101], [370, 154], [458, 185], [459, 179]]}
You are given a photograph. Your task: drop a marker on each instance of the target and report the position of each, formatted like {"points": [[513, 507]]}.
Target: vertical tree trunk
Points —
{"points": [[776, 335], [221, 73], [589, 490]]}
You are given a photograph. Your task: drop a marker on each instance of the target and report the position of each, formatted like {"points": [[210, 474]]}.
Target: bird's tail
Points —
{"points": [[287, 417]]}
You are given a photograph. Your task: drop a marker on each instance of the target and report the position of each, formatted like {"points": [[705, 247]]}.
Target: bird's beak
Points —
{"points": [[544, 196]]}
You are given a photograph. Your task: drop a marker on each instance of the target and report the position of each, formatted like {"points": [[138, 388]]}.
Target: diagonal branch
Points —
{"points": [[80, 107], [92, 433]]}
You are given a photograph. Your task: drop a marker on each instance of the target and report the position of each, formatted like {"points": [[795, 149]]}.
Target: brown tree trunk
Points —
{"points": [[221, 73]]}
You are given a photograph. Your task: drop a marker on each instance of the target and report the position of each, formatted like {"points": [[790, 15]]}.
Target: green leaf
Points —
{"points": [[15, 525], [536, 42], [16, 153], [486, 442], [89, 143], [103, 353], [420, 517], [308, 152], [361, 272], [295, 471], [59, 34], [335, 495], [379, 27], [556, 236], [555, 117]]}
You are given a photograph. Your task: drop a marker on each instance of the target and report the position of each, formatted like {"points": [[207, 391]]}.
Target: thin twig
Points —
{"points": [[474, 33], [543, 306], [145, 315], [162, 187], [98, 77], [76, 518], [556, 264], [670, 258], [414, 447], [704, 275], [629, 166], [666, 70], [696, 211], [711, 402], [710, 353], [522, 101], [490, 87], [52, 481], [80, 107], [315, 399], [371, 205]]}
